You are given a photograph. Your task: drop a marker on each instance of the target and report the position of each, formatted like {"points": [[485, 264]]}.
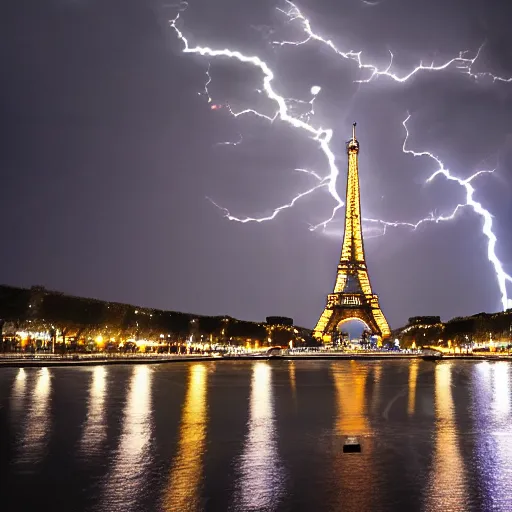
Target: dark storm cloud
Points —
{"points": [[109, 151]]}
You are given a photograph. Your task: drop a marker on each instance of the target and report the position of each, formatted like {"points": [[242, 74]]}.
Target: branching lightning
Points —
{"points": [[323, 136], [502, 277], [231, 143], [441, 170], [206, 92], [311, 173], [294, 14], [290, 111]]}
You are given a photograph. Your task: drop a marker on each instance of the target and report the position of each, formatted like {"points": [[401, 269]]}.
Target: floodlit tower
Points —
{"points": [[352, 296]]}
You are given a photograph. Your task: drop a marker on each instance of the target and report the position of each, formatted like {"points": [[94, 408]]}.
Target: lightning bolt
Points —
{"points": [[371, 4], [311, 173], [206, 92], [323, 136], [231, 143], [286, 112], [294, 14], [441, 170], [502, 277]]}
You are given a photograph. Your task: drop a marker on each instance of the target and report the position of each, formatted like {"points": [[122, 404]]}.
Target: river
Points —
{"points": [[257, 436]]}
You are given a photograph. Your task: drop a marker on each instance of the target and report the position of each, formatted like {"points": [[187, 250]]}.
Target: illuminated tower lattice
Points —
{"points": [[352, 296]]}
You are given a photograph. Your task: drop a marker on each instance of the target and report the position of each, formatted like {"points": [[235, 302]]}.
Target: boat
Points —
{"points": [[351, 445]]}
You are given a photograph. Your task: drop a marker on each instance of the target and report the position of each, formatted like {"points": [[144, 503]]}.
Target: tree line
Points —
{"points": [[64, 316], [459, 331]]}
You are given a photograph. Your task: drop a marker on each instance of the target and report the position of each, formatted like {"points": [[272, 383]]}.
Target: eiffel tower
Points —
{"points": [[353, 296]]}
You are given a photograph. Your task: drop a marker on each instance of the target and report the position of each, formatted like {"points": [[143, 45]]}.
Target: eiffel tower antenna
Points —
{"points": [[352, 296]]}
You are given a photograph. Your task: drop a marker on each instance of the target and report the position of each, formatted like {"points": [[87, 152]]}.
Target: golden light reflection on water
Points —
{"points": [[413, 379], [95, 427], [37, 426], [352, 474], [260, 481], [126, 479], [447, 484], [293, 385], [183, 491], [351, 400]]}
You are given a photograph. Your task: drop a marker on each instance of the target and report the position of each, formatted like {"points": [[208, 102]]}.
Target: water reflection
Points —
{"points": [[376, 395], [447, 486], [503, 435], [492, 387], [125, 482], [260, 484], [413, 379], [459, 459], [351, 399], [37, 426], [351, 473], [501, 399], [184, 490], [293, 385], [18, 396], [95, 426]]}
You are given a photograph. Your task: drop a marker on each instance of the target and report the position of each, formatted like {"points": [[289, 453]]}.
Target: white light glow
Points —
{"points": [[37, 427], [285, 112], [95, 428], [260, 481], [132, 455]]}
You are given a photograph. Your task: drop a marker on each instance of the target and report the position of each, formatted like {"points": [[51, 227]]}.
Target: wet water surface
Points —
{"points": [[243, 436]]}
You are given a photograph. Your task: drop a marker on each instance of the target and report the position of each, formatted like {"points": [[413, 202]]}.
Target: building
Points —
{"points": [[352, 297]]}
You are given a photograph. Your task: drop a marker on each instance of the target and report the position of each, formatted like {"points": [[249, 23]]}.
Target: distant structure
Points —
{"points": [[424, 320], [353, 297], [279, 320]]}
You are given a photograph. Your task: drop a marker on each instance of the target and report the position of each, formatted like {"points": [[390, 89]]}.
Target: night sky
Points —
{"points": [[109, 153]]}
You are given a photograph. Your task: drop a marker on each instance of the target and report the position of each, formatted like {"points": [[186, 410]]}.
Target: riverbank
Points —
{"points": [[12, 361], [47, 362]]}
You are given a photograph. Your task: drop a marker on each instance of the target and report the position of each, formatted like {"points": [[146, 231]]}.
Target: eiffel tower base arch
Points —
{"points": [[340, 315]]}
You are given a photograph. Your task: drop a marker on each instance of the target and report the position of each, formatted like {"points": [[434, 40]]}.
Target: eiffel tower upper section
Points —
{"points": [[352, 296]]}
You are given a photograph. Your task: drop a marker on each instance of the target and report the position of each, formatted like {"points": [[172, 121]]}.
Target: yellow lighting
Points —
{"points": [[352, 408], [183, 491], [352, 287], [293, 385], [413, 378], [351, 419]]}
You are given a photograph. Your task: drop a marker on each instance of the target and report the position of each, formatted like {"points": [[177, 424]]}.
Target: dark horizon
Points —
{"points": [[110, 152], [424, 319]]}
